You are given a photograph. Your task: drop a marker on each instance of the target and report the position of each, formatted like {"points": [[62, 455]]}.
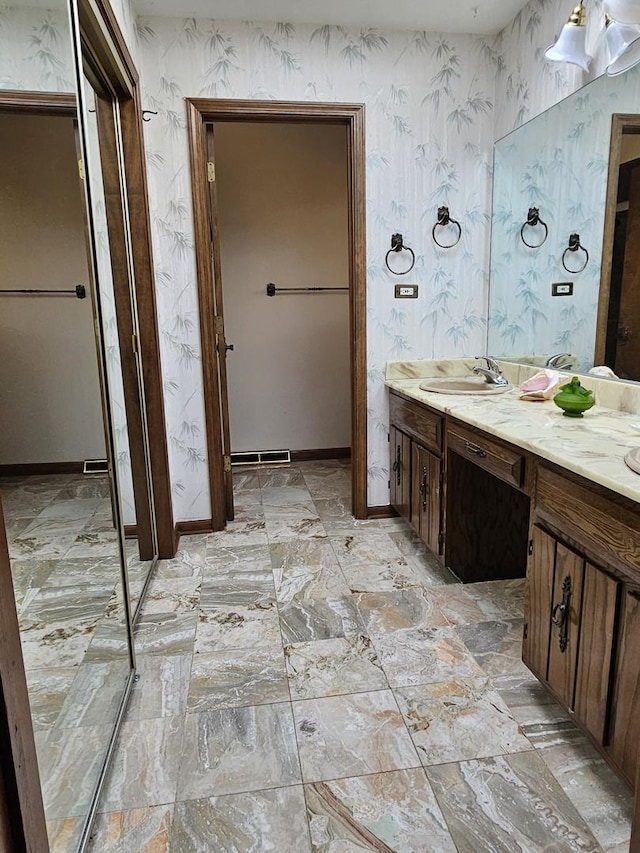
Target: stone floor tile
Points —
{"points": [[145, 830], [333, 667], [352, 735]]}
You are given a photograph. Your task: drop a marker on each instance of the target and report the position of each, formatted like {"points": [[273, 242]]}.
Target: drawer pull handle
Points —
{"points": [[560, 614], [475, 450]]}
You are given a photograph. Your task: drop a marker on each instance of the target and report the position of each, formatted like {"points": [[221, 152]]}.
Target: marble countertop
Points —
{"points": [[593, 446]]}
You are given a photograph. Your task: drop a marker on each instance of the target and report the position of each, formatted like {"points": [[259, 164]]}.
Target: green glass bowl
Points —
{"points": [[574, 399]]}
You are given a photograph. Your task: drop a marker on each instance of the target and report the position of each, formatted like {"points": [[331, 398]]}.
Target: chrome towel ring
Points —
{"points": [[443, 220], [574, 246], [533, 219], [397, 245]]}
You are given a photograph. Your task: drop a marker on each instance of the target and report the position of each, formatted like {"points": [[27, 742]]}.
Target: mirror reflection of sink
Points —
{"points": [[463, 385]]}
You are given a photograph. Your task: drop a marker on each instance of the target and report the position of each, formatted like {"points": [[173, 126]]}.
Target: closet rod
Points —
{"points": [[272, 289], [79, 290]]}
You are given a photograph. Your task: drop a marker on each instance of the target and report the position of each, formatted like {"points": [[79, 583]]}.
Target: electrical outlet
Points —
{"points": [[406, 291], [562, 288]]}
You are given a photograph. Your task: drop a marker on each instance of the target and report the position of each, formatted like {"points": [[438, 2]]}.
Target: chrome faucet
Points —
{"points": [[556, 361], [491, 372]]}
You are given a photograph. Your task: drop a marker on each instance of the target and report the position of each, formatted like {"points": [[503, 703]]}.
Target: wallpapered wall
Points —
{"points": [[429, 117], [434, 106], [559, 163], [37, 56]]}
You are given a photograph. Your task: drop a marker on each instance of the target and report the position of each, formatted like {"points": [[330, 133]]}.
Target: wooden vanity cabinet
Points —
{"points": [[415, 470], [582, 620], [426, 501], [400, 471], [487, 506]]}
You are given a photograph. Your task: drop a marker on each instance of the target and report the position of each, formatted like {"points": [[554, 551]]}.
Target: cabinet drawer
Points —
{"points": [[498, 459], [417, 421], [605, 526]]}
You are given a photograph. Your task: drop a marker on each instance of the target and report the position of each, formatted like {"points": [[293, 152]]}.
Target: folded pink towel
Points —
{"points": [[542, 386]]}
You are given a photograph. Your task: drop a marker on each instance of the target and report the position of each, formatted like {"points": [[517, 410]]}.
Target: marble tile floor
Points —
{"points": [[309, 682], [67, 584]]}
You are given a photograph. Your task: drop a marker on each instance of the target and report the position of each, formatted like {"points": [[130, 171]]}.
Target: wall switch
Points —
{"points": [[406, 291], [562, 288]]}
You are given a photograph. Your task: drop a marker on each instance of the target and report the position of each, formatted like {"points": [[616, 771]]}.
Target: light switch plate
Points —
{"points": [[562, 288], [406, 291]]}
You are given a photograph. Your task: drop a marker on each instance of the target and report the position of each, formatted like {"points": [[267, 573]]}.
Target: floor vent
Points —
{"points": [[261, 457], [95, 466]]}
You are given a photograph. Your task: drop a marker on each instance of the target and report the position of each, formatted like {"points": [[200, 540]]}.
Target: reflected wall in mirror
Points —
{"points": [[66, 537], [558, 163]]}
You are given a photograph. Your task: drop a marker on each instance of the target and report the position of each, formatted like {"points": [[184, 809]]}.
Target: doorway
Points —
{"points": [[204, 115]]}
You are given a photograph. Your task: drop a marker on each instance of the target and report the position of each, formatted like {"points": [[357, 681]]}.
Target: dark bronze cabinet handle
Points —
{"points": [[397, 465], [423, 489], [560, 614], [474, 449]]}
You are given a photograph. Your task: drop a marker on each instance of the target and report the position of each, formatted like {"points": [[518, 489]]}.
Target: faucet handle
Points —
{"points": [[491, 364]]}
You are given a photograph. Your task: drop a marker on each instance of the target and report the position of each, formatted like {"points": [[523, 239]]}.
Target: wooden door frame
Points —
{"points": [[201, 110], [103, 41], [619, 123], [64, 105]]}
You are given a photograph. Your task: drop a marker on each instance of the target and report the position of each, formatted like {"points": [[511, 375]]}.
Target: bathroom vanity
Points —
{"points": [[499, 488]]}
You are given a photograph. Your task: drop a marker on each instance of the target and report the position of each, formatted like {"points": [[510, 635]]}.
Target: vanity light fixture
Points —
{"points": [[570, 45], [623, 41], [574, 246], [623, 11]]}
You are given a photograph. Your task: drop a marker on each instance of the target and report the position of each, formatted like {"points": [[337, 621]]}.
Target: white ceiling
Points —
{"points": [[452, 16]]}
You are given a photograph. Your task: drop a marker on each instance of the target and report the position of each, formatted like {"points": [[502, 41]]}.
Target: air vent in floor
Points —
{"points": [[261, 457], [95, 466]]}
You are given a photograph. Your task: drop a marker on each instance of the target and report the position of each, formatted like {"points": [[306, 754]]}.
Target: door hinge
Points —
{"points": [[81, 169], [440, 539], [227, 464], [388, 484], [211, 172], [525, 631], [218, 324], [530, 549], [135, 344], [389, 437]]}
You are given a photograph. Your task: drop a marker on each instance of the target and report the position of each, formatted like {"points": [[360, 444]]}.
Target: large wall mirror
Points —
{"points": [[545, 297], [74, 481]]}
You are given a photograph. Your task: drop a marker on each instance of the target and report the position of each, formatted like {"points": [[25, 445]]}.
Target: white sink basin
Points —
{"points": [[463, 385]]}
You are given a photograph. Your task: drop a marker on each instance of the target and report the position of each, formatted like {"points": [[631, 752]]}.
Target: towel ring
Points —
{"points": [[398, 246], [574, 245], [443, 220], [533, 219]]}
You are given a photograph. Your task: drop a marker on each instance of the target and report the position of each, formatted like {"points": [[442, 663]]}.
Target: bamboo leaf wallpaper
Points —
{"points": [[421, 152], [434, 105]]}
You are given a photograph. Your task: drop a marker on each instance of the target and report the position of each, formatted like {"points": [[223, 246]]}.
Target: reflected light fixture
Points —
{"points": [[623, 41], [570, 45], [623, 11]]}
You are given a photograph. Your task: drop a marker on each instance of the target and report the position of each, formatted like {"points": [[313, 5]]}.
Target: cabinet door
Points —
{"points": [[599, 600], [554, 594], [565, 621], [426, 496], [540, 576], [400, 471], [624, 729]]}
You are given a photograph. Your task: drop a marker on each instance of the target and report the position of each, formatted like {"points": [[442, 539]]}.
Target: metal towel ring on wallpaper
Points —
{"points": [[398, 246], [533, 219], [574, 246], [443, 220]]}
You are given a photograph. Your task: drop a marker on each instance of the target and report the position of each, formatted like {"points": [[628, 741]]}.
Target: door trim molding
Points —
{"points": [[201, 110], [619, 123]]}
